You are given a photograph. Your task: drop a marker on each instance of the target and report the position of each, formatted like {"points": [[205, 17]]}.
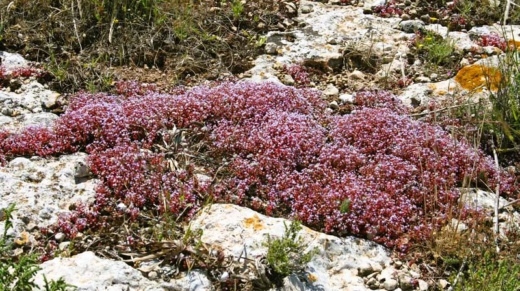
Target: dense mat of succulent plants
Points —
{"points": [[374, 173]]}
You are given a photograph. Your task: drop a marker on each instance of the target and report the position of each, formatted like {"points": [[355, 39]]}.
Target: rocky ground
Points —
{"points": [[366, 51], [354, 49]]}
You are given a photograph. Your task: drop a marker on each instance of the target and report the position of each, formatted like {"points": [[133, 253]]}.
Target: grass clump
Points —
{"points": [[490, 274], [434, 49], [506, 106], [497, 119], [470, 255], [82, 39], [485, 12], [17, 274], [284, 255]]}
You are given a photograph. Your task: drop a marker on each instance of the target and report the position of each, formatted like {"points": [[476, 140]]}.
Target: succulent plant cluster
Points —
{"points": [[21, 72], [299, 73], [493, 40], [389, 9], [374, 173]]}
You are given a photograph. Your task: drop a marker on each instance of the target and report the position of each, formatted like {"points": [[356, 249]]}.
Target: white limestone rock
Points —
{"points": [[91, 273], [196, 280], [437, 29], [331, 91], [461, 41], [479, 199], [339, 263], [347, 98], [476, 32], [486, 201], [310, 43], [271, 48], [411, 26], [416, 95], [42, 188], [11, 61], [28, 106]]}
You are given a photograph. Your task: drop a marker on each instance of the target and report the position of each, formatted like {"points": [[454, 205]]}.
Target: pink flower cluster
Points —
{"points": [[22, 72], [374, 173], [389, 9], [299, 73], [493, 40]]}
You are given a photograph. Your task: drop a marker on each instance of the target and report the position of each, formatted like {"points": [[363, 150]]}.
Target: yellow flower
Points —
{"points": [[428, 38], [433, 19], [420, 45]]}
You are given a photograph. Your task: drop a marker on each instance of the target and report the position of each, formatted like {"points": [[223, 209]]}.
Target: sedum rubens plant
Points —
{"points": [[493, 40], [6, 76], [375, 173], [299, 73]]}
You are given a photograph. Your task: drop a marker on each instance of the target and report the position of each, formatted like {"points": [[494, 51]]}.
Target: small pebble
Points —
{"points": [[121, 206], [390, 284], [346, 98], [423, 286], [422, 79], [152, 275], [358, 75], [224, 277], [306, 9], [59, 236], [271, 48], [64, 245], [444, 284], [288, 80]]}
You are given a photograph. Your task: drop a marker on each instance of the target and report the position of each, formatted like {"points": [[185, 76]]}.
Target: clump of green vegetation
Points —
{"points": [[18, 274], [345, 206], [460, 14], [506, 105], [186, 38], [490, 274], [284, 255], [473, 256], [436, 50], [59, 285], [485, 12], [497, 118]]}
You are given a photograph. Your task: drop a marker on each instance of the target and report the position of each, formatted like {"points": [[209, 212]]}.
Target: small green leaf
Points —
{"points": [[345, 206]]}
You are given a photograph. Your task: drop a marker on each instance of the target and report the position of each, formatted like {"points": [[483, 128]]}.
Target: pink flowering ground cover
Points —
{"points": [[374, 173]]}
